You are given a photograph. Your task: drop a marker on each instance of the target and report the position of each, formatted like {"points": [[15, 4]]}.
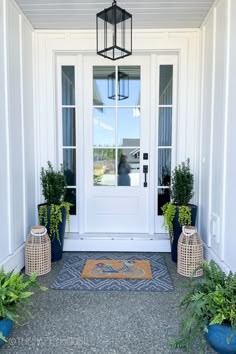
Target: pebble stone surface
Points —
{"points": [[87, 322]]}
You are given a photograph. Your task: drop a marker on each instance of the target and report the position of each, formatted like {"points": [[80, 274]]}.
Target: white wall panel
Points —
{"points": [[28, 112], [15, 125], [219, 107], [230, 195], [207, 66], [4, 242], [219, 214]]}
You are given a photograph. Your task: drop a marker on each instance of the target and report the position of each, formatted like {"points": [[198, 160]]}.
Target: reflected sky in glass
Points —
{"points": [[104, 122], [129, 127]]}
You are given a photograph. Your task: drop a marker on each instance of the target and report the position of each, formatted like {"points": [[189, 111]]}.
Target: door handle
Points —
{"points": [[145, 171]]}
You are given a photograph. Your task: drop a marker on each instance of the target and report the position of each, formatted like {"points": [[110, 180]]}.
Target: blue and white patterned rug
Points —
{"points": [[69, 276]]}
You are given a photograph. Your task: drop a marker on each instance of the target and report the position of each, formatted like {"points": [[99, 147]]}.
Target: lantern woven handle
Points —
{"points": [[188, 233], [39, 234]]}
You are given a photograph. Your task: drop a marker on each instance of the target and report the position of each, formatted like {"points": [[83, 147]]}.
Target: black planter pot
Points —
{"points": [[57, 245], [177, 229]]}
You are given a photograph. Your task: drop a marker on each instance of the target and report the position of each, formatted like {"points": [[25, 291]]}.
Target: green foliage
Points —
{"points": [[184, 215], [210, 300], [15, 291], [169, 211], [53, 184], [182, 184], [54, 218]]}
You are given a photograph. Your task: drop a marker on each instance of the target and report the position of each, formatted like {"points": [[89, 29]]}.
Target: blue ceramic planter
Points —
{"points": [[5, 328], [217, 338]]}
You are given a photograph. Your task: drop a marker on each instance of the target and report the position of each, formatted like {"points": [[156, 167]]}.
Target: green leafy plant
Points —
{"points": [[53, 184], [15, 291], [169, 211], [182, 184], [53, 189], [210, 300], [55, 217], [181, 191]]}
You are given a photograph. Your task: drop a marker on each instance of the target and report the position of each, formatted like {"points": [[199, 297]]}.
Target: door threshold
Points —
{"points": [[117, 242]]}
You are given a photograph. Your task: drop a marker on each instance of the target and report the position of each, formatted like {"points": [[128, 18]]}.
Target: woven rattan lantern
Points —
{"points": [[114, 32], [190, 252], [38, 251]]}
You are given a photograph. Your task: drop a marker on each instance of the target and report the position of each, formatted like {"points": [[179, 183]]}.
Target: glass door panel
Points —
{"points": [[116, 124]]}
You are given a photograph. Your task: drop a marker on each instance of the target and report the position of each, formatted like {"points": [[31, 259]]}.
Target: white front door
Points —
{"points": [[116, 119], [116, 126]]}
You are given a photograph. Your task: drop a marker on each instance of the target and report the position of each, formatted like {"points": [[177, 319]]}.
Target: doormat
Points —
{"points": [[69, 277], [117, 269]]}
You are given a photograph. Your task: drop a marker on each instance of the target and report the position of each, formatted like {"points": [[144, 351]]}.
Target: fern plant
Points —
{"points": [[15, 293], [210, 300]]}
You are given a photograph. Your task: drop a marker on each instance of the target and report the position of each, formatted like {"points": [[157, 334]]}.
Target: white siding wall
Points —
{"points": [[17, 208], [217, 162]]}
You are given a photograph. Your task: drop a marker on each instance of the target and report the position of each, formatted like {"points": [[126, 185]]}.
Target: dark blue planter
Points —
{"points": [[217, 338], [5, 328], [57, 245], [178, 229]]}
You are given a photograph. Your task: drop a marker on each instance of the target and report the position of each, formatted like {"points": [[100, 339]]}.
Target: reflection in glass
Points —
{"points": [[100, 85], [129, 127], [68, 85], [128, 167], [69, 164], [68, 121], [133, 73], [165, 126], [164, 167], [104, 122], [122, 86], [166, 83], [163, 197], [104, 167], [70, 197]]}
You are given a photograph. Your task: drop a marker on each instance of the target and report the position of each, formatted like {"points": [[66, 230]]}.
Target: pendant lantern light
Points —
{"points": [[114, 32]]}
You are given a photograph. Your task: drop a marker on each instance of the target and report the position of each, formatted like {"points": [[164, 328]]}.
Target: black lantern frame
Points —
{"points": [[122, 87], [114, 32]]}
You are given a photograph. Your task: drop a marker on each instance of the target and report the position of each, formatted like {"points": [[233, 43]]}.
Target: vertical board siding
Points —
{"points": [[219, 106], [219, 188], [15, 125], [17, 128], [230, 195], [206, 127], [4, 248], [28, 112]]}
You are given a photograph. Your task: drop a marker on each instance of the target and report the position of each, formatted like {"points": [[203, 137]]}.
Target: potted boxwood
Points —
{"points": [[179, 212], [54, 213], [14, 299], [209, 308]]}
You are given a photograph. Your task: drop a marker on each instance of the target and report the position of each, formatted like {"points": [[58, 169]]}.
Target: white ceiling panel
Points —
{"points": [[81, 14]]}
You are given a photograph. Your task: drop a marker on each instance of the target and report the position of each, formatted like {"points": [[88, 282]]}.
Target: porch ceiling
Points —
{"points": [[147, 14]]}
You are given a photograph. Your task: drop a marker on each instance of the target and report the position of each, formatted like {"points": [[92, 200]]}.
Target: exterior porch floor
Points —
{"points": [[109, 322]]}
